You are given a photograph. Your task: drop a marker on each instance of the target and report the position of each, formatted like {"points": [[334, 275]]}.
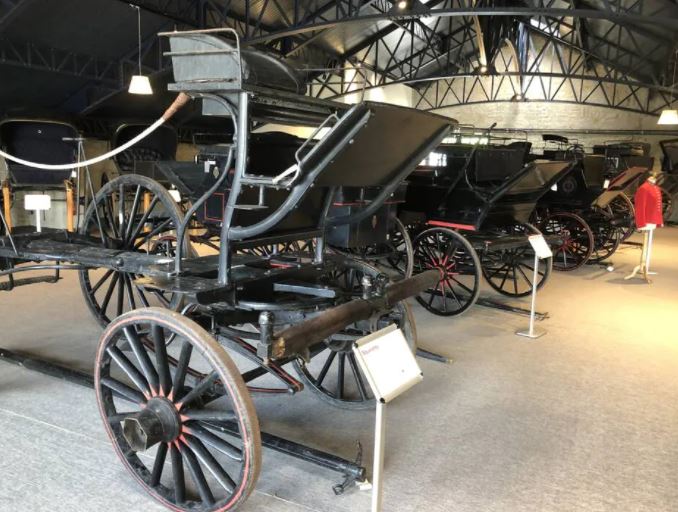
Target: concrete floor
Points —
{"points": [[584, 418]]}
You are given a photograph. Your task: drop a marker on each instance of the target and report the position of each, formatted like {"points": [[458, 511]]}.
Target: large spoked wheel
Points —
{"points": [[130, 213], [333, 373], [607, 237], [174, 404], [395, 256], [511, 271], [459, 266], [624, 215], [576, 238]]}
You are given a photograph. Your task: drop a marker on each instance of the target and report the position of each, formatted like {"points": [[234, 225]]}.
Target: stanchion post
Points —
{"points": [[379, 443], [540, 247]]}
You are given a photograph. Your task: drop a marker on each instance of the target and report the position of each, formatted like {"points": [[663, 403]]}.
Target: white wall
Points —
{"points": [[552, 117]]}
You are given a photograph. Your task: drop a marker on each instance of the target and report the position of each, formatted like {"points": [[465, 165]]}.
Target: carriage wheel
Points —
{"points": [[150, 406], [459, 266], [511, 271], [577, 240], [334, 374], [667, 204], [396, 254], [607, 237], [145, 220], [624, 214]]}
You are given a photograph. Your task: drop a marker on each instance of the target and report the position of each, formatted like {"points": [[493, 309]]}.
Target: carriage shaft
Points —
{"points": [[298, 338]]}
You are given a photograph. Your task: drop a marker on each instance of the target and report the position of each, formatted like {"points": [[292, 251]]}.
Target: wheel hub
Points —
{"points": [[158, 422]]}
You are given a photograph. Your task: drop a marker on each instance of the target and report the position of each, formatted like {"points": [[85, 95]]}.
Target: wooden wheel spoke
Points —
{"points": [[101, 281], [130, 370], [123, 390], [209, 415], [197, 475], [356, 375], [142, 356], [132, 215], [199, 389], [325, 368], [454, 295], [162, 363], [340, 375], [178, 474], [129, 288], [214, 441], [210, 463], [155, 231], [109, 293], [158, 465], [182, 368], [143, 220]]}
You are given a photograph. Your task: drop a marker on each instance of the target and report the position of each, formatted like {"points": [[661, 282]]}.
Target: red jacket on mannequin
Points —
{"points": [[648, 204]]}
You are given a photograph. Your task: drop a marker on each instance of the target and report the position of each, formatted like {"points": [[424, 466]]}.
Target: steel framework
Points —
{"points": [[612, 53]]}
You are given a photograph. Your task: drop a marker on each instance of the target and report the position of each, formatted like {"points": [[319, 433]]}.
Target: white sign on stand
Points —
{"points": [[37, 203], [541, 251], [391, 369]]}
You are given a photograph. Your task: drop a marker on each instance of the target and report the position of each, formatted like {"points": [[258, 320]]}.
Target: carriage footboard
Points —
{"points": [[296, 339]]}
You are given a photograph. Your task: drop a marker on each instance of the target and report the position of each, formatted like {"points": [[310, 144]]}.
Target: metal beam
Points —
{"points": [[634, 19], [42, 58], [9, 9]]}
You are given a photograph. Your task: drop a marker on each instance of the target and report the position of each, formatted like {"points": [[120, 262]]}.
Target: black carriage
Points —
{"points": [[46, 142], [589, 208], [668, 179], [165, 382], [488, 193]]}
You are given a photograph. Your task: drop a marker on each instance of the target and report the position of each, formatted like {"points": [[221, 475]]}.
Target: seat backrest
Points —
{"points": [[42, 142], [158, 146]]}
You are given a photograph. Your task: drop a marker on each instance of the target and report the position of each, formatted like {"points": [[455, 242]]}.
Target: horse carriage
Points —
{"points": [[589, 207], [42, 140], [668, 179], [176, 407], [488, 193]]}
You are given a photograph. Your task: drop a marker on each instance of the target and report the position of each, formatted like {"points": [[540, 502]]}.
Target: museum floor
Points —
{"points": [[584, 418]]}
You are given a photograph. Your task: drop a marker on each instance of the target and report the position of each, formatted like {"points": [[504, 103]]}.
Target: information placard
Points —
{"points": [[541, 248], [388, 363]]}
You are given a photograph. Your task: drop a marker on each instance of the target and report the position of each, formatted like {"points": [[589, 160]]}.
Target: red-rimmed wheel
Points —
{"points": [[576, 240], [459, 266], [179, 416]]}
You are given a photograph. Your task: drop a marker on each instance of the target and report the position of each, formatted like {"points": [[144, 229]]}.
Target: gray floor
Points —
{"points": [[584, 418]]}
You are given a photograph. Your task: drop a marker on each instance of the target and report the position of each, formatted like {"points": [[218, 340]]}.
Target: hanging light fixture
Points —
{"points": [[140, 83], [670, 115]]}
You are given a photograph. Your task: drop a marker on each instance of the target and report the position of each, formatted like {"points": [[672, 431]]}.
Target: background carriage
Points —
{"points": [[590, 207], [488, 193]]}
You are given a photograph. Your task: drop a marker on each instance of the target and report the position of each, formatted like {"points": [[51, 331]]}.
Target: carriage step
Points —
{"points": [[9, 285]]}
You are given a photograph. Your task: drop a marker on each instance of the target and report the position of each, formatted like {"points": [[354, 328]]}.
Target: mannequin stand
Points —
{"points": [[644, 267]]}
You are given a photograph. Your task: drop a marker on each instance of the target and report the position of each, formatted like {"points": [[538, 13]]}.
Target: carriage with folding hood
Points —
{"points": [[590, 208], [177, 408], [468, 209]]}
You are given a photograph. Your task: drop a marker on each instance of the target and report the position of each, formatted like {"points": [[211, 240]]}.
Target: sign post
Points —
{"points": [[391, 369], [541, 251], [37, 203]]}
